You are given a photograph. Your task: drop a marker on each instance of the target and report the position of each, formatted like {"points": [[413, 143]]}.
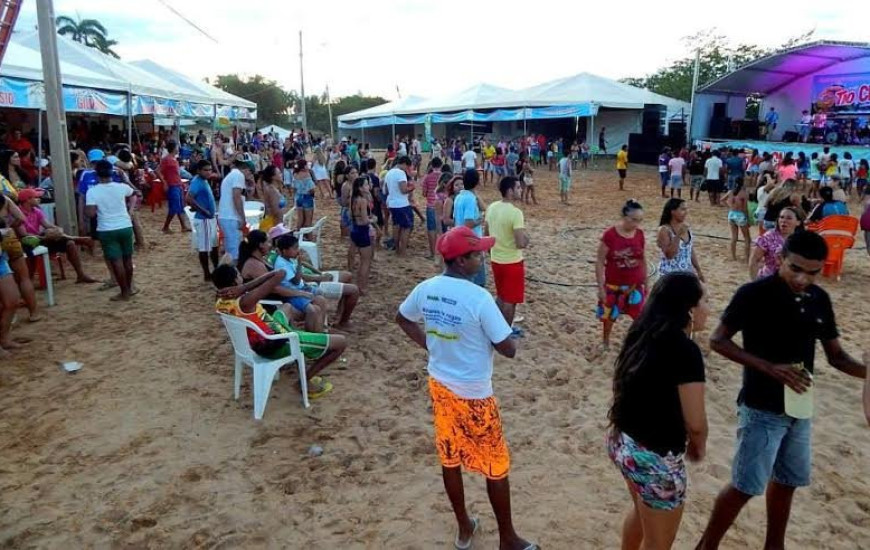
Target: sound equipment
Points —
{"points": [[746, 129], [720, 110], [676, 135], [645, 148], [654, 116], [790, 137], [720, 128]]}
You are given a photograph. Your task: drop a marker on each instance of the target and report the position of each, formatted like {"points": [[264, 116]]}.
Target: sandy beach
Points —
{"points": [[146, 448]]}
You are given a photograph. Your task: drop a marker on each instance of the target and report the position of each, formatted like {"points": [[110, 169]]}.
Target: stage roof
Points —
{"points": [[769, 74]]}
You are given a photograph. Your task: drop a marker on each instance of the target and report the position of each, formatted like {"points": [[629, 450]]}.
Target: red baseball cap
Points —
{"points": [[460, 241], [29, 193]]}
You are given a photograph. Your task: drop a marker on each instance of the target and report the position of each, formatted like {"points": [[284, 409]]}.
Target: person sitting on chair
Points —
{"points": [[40, 232], [242, 300]]}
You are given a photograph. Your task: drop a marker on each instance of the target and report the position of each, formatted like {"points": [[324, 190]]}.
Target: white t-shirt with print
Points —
{"points": [[393, 180], [461, 323], [111, 202], [234, 180], [713, 168], [469, 160]]}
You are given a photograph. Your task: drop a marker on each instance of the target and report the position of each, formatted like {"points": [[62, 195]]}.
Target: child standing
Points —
{"points": [[738, 218]]}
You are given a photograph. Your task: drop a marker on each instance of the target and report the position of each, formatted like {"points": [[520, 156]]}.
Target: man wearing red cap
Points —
{"points": [[462, 326]]}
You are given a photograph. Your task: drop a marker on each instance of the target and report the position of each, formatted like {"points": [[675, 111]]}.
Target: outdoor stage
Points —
{"points": [[779, 148]]}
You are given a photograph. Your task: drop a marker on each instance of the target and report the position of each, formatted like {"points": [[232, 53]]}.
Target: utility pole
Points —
{"points": [[695, 76], [57, 133], [329, 107], [302, 85]]}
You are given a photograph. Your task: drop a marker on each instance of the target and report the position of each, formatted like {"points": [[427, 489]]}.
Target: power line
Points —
{"points": [[188, 21]]}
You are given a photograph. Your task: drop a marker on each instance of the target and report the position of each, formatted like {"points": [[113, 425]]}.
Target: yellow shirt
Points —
{"points": [[489, 152], [8, 189], [501, 219], [622, 160]]}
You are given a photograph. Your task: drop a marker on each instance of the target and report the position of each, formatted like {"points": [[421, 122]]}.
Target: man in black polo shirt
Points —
{"points": [[781, 317]]}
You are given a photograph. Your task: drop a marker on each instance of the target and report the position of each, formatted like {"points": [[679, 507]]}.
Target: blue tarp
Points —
{"points": [[528, 113]]}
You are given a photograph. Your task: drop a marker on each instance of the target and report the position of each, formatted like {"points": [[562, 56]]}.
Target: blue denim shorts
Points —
{"points": [[305, 202], [431, 220], [4, 265], [773, 447], [403, 217]]}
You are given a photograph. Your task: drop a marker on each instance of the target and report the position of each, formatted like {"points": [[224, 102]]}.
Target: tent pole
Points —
{"points": [[525, 129], [393, 135], [363, 134], [39, 134], [592, 136], [130, 116]]}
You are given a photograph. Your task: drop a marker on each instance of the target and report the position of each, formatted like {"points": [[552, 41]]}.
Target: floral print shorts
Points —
{"points": [[659, 481]]}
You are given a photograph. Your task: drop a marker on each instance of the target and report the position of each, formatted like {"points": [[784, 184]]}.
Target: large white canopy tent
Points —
{"points": [[96, 83], [613, 104]]}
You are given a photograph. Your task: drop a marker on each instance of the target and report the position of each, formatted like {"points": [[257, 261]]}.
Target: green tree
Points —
{"points": [[717, 58], [317, 109], [89, 32], [274, 104]]}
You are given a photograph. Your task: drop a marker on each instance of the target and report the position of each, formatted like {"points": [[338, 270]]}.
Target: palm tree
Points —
{"points": [[89, 32]]}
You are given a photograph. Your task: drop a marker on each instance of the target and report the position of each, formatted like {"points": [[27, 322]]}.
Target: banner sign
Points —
{"points": [[841, 94], [85, 100], [21, 94], [529, 113]]}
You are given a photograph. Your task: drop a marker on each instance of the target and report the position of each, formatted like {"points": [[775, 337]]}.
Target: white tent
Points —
{"points": [[88, 68], [282, 133], [590, 88], [216, 94], [398, 106], [480, 96]]}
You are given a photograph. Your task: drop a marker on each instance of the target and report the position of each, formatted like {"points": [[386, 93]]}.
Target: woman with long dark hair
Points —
{"points": [[360, 231], [657, 417], [304, 186], [10, 168], [272, 181], [675, 240]]}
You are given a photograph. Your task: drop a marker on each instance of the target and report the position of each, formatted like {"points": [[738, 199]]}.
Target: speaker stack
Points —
{"points": [[645, 148]]}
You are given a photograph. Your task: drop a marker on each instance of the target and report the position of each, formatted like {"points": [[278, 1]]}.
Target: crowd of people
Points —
{"points": [[657, 417]]}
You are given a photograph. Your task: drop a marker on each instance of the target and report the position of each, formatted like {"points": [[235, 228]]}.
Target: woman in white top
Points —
{"points": [[675, 241], [321, 174]]}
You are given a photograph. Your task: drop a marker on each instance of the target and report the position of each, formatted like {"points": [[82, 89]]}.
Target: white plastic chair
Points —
{"points": [[290, 218], [190, 217], [312, 248], [46, 263], [254, 212], [264, 370]]}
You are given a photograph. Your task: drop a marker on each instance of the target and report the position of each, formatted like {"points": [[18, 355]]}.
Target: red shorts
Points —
{"points": [[510, 282]]}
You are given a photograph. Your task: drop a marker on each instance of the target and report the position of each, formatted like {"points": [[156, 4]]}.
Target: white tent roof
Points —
{"points": [[399, 106], [480, 96], [282, 133], [590, 88], [89, 68], [184, 81], [26, 63], [577, 89]]}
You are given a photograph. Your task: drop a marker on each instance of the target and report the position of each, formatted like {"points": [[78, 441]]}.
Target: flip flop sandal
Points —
{"points": [[107, 285], [322, 387], [465, 546]]}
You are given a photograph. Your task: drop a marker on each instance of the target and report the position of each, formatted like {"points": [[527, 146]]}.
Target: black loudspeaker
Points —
{"points": [[720, 128], [676, 135], [645, 148], [720, 110], [790, 136]]}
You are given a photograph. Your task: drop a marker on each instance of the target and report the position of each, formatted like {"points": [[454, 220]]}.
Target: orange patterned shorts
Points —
{"points": [[468, 433]]}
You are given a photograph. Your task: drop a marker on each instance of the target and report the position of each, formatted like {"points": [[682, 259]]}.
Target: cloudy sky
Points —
{"points": [[431, 47]]}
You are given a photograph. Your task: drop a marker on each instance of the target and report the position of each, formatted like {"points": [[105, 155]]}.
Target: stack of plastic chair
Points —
{"points": [[839, 234]]}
